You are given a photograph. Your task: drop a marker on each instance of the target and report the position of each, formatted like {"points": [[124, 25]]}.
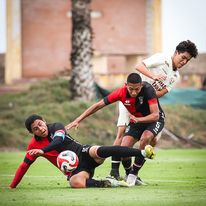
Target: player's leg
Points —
{"points": [[82, 176], [83, 180], [132, 135], [79, 180], [128, 141], [132, 179], [115, 160], [99, 153], [147, 137]]}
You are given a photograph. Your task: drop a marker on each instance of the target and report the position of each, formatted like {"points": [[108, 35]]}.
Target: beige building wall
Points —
{"points": [[153, 26], [120, 37], [13, 63]]}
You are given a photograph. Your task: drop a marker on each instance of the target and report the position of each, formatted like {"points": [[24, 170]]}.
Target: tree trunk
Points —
{"points": [[82, 79]]}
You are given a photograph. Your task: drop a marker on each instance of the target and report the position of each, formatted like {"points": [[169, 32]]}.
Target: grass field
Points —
{"points": [[175, 177]]}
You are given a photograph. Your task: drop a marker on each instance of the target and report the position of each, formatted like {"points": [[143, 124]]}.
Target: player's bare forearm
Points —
{"points": [[143, 70], [152, 117], [36, 152], [91, 110], [161, 92], [147, 119]]}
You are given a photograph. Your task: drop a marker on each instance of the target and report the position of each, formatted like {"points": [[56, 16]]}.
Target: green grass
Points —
{"points": [[175, 177]]}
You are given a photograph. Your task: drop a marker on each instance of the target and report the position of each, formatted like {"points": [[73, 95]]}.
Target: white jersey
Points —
{"points": [[161, 64], [157, 64]]}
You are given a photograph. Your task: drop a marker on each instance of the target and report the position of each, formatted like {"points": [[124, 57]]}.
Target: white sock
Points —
{"points": [[143, 153]]}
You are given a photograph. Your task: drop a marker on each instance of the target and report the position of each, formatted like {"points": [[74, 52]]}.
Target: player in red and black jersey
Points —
{"points": [[146, 116], [49, 140]]}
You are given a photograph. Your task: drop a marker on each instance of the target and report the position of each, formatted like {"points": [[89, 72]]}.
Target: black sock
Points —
{"points": [[115, 166], [127, 165], [118, 151], [138, 163], [94, 183]]}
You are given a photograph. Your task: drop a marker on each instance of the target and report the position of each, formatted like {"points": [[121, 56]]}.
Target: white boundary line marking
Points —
{"points": [[35, 176], [147, 181]]}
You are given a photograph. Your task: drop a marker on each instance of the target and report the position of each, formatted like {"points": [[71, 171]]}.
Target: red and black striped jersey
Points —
{"points": [[137, 106]]}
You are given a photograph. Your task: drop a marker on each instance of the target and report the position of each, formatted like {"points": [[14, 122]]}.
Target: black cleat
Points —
{"points": [[115, 174]]}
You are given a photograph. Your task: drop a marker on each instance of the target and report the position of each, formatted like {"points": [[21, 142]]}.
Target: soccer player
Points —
{"points": [[51, 139], [146, 115], [162, 72]]}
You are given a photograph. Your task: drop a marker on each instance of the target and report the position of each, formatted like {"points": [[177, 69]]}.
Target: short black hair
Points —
{"points": [[30, 120], [187, 46], [134, 78]]}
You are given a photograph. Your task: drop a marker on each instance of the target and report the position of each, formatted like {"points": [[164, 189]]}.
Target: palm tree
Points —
{"points": [[82, 79]]}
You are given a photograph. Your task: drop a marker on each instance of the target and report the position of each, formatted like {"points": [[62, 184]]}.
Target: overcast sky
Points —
{"points": [[2, 27], [181, 20]]}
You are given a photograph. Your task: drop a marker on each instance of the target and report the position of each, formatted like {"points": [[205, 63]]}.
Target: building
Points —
{"points": [[39, 37]]}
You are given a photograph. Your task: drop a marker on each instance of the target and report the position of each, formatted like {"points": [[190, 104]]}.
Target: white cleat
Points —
{"points": [[140, 182], [131, 179]]}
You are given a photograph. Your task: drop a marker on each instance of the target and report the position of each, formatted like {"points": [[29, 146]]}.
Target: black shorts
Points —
{"points": [[86, 162], [136, 129]]}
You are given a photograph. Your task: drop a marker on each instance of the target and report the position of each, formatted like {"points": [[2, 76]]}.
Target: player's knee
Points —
{"points": [[147, 136], [146, 139], [77, 182], [93, 151]]}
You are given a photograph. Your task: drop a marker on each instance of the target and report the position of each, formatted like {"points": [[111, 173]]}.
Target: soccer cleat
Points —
{"points": [[149, 152], [139, 182], [123, 183], [115, 174], [117, 183], [131, 179], [106, 183]]}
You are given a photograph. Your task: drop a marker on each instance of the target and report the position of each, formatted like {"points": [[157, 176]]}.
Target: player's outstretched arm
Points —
{"points": [[95, 107], [143, 70], [22, 169]]}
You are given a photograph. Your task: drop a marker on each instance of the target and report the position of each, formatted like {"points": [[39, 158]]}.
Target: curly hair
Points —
{"points": [[187, 46]]}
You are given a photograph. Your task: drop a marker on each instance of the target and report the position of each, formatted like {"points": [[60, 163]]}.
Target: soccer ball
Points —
{"points": [[67, 161]]}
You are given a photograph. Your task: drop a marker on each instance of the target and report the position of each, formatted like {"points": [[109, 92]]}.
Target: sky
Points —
{"points": [[181, 20], [2, 26]]}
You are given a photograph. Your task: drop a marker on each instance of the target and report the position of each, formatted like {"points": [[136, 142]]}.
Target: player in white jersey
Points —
{"points": [[162, 72]]}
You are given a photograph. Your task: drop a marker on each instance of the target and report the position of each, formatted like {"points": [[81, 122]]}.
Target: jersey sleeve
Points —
{"points": [[113, 97], [58, 138], [123, 118], [154, 61], [22, 169]]}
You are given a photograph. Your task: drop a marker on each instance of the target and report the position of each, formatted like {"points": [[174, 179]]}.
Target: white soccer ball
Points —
{"points": [[67, 161]]}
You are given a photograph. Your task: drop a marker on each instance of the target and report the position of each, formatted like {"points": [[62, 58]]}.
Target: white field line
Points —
{"points": [[35, 176], [62, 177]]}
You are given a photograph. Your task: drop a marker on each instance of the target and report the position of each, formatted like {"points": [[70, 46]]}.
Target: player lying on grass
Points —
{"points": [[51, 139], [146, 115]]}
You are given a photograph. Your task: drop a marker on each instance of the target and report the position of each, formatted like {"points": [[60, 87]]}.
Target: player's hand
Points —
{"points": [[74, 124], [160, 77], [35, 152], [133, 118]]}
